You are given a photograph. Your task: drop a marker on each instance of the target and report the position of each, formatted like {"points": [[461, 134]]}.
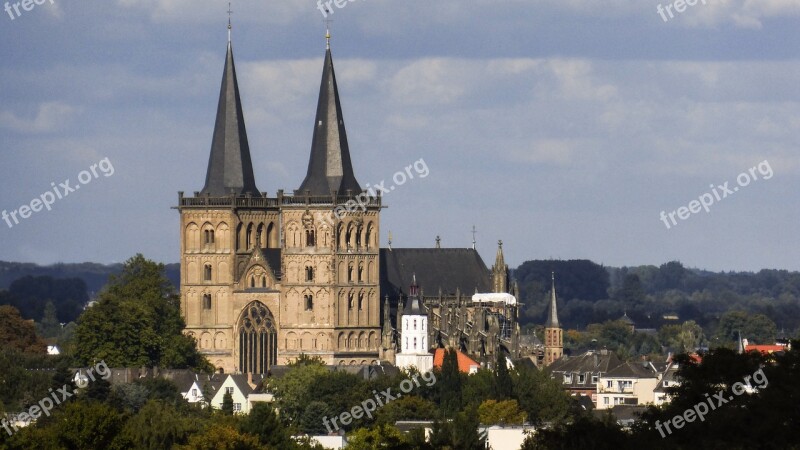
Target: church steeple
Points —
{"points": [[552, 311], [230, 169], [500, 270], [329, 167], [553, 334]]}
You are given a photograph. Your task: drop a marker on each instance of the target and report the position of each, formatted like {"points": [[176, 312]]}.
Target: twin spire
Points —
{"points": [[230, 169]]}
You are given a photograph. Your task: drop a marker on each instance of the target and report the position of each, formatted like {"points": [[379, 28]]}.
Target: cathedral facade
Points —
{"points": [[266, 278]]}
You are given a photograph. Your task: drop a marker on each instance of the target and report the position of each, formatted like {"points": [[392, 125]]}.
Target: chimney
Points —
{"points": [[250, 380]]}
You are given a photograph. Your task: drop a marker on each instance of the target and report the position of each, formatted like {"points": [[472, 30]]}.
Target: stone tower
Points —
{"points": [[265, 279]]}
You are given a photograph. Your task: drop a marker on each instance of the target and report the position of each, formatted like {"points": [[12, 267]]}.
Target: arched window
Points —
{"points": [[350, 301], [258, 344], [263, 282], [206, 301], [350, 273], [252, 281], [360, 301], [209, 236], [309, 302], [207, 272], [309, 274], [360, 272]]}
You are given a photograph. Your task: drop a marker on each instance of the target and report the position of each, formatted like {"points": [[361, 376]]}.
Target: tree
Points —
{"points": [[221, 436], [295, 390], [88, 424], [157, 426], [450, 383], [382, 436], [465, 431], [757, 328], [506, 412], [227, 403], [137, 322], [410, 407], [18, 334], [502, 380], [50, 326], [264, 423], [540, 396]]}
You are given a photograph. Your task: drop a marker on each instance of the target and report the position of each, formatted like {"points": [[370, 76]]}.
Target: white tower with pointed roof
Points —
{"points": [[414, 334]]}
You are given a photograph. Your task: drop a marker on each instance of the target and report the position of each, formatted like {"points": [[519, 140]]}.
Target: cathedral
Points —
{"points": [[266, 278]]}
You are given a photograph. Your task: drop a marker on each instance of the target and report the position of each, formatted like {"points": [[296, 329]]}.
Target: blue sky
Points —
{"points": [[562, 127]]}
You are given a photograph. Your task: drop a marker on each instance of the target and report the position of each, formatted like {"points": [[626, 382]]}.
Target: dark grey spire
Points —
{"points": [[329, 167], [552, 312], [414, 305], [229, 166]]}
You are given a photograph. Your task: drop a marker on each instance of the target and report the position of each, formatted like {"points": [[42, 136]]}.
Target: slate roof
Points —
{"points": [[632, 370], [552, 311], [229, 166], [329, 167], [445, 268], [592, 362]]}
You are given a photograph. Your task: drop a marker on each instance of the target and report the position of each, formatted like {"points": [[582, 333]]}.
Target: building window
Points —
{"points": [[567, 378], [594, 379], [309, 273], [206, 301], [581, 379], [360, 273], [263, 282], [605, 400], [237, 407], [360, 301], [415, 324], [229, 390], [309, 300], [350, 273], [207, 273], [252, 282], [209, 236], [350, 301], [194, 392], [415, 343], [609, 384], [310, 238]]}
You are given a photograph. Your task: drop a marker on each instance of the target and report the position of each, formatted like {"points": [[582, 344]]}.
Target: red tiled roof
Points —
{"points": [[464, 361], [766, 349]]}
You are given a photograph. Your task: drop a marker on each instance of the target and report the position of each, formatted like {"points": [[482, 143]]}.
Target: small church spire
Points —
{"points": [[552, 313]]}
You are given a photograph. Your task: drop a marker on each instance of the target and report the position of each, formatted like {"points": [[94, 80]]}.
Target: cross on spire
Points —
{"points": [[230, 12], [328, 31], [474, 230]]}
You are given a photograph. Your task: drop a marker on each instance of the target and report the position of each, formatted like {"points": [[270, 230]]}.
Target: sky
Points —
{"points": [[563, 128]]}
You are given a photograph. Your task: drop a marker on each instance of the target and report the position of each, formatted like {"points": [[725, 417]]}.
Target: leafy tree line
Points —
{"points": [[656, 296]]}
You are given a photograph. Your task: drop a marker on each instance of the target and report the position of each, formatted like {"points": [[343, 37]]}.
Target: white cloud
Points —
{"points": [[51, 116]]}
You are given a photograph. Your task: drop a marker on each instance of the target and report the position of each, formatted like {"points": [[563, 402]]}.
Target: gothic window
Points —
{"points": [[350, 273], [249, 243], [209, 236], [350, 301], [368, 237], [257, 340], [207, 272], [206, 301], [360, 301], [263, 282], [252, 282], [360, 273], [309, 302], [309, 273], [309, 238]]}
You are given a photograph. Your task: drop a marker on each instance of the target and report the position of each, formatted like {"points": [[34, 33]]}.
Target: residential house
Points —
{"points": [[630, 383], [580, 374]]}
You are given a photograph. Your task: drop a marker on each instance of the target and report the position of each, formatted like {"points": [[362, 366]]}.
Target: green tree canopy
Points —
{"points": [[137, 322]]}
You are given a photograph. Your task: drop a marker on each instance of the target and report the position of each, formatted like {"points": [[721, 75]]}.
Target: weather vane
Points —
{"points": [[230, 12]]}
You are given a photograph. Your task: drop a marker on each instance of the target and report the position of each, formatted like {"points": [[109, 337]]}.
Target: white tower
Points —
{"points": [[414, 334]]}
